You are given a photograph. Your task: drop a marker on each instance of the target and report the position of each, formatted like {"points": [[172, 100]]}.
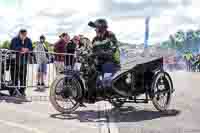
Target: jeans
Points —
{"points": [[108, 71]]}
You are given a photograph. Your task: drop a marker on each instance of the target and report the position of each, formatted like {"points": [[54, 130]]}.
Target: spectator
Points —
{"points": [[42, 60], [80, 43], [70, 50], [85, 43], [59, 49], [188, 57], [22, 45]]}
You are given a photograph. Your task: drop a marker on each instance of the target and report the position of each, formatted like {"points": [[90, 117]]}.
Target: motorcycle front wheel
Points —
{"points": [[66, 90]]}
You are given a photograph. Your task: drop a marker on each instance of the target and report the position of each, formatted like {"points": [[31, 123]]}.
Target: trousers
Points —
{"points": [[18, 74]]}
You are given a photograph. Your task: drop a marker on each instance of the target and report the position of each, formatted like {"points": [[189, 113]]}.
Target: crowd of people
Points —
{"points": [[66, 45], [188, 61], [192, 62], [22, 48]]}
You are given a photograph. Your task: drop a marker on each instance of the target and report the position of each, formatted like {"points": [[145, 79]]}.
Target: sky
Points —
{"points": [[126, 18]]}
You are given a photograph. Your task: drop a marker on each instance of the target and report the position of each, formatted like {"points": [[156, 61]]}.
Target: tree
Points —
{"points": [[180, 36], [34, 44], [48, 45], [172, 40], [165, 44], [181, 41], [5, 44], [197, 33], [190, 35]]}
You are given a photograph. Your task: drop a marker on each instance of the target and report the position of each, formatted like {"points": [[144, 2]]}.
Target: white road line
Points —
{"points": [[107, 127], [104, 126], [113, 127], [22, 126]]}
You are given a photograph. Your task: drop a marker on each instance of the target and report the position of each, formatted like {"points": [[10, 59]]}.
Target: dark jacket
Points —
{"points": [[60, 48], [16, 45], [107, 43], [70, 48]]}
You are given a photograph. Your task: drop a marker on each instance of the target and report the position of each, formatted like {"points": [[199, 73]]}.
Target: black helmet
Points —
{"points": [[99, 23], [42, 37]]}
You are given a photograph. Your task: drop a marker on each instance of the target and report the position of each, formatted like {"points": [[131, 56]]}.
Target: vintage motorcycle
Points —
{"points": [[141, 75]]}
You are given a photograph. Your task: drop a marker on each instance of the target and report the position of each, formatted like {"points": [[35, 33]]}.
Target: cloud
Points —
{"points": [[125, 17], [141, 7]]}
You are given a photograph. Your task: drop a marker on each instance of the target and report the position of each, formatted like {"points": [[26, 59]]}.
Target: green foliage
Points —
{"points": [[182, 41], [5, 44], [34, 44], [180, 36], [49, 46]]}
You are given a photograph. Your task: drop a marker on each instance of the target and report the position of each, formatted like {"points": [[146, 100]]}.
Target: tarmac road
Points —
{"points": [[40, 117]]}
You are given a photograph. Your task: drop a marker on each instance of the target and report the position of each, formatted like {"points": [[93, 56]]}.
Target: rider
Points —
{"points": [[105, 42], [105, 45]]}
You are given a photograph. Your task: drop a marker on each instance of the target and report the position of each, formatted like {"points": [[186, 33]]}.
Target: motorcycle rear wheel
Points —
{"points": [[162, 87]]}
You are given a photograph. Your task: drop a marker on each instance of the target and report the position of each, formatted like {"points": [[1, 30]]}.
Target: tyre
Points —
{"points": [[65, 90], [116, 102], [162, 88]]}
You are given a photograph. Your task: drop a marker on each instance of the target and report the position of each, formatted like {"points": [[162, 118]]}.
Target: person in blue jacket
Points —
{"points": [[21, 46]]}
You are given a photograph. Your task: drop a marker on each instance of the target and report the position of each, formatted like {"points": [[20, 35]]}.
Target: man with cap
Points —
{"points": [[105, 41]]}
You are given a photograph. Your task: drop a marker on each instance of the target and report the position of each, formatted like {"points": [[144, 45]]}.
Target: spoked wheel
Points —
{"points": [[64, 94], [162, 87], [116, 102]]}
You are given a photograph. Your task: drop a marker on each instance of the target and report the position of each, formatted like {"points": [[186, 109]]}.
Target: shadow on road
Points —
{"points": [[126, 114], [40, 89], [12, 99]]}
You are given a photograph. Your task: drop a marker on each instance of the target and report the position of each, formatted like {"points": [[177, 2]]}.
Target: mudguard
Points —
{"points": [[77, 75]]}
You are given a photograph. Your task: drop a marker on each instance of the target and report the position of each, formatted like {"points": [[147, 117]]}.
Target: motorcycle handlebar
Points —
{"points": [[102, 53]]}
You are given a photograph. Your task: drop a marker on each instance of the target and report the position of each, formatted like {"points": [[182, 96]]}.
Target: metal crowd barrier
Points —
{"points": [[21, 70]]}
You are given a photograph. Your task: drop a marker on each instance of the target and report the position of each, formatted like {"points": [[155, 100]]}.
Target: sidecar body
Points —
{"points": [[143, 74]]}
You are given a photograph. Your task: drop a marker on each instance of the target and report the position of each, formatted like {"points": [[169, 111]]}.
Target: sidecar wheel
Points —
{"points": [[65, 90], [162, 88], [117, 103]]}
